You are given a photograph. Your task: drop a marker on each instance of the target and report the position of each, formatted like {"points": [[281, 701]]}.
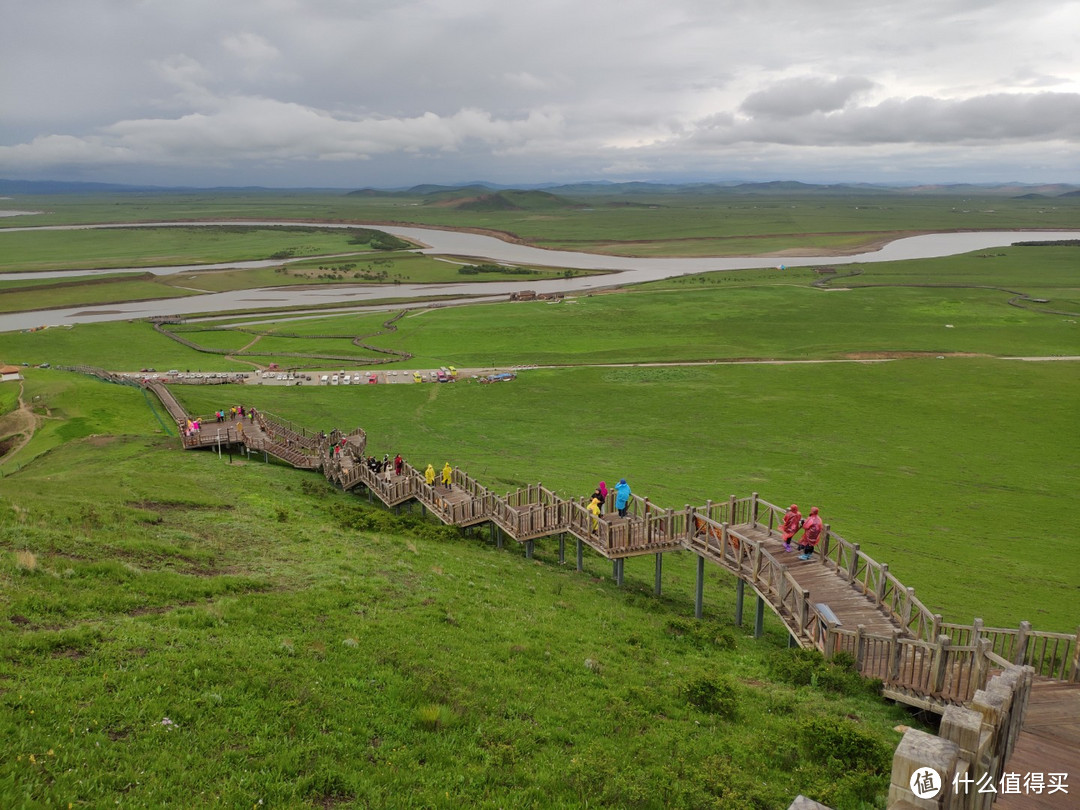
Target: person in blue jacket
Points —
{"points": [[622, 496]]}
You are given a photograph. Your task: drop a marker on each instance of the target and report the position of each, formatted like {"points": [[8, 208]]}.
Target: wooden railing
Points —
{"points": [[941, 660], [1050, 655], [530, 512]]}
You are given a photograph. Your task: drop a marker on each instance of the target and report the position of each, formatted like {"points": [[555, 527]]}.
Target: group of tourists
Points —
{"points": [[447, 475], [811, 527], [229, 414], [385, 465], [599, 498], [191, 427], [793, 522]]}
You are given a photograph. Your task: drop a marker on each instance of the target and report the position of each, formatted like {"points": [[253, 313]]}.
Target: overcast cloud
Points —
{"points": [[353, 93]]}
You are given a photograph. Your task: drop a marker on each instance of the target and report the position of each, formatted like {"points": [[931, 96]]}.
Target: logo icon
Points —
{"points": [[926, 783]]}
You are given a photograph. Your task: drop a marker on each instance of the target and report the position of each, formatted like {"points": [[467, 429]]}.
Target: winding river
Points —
{"points": [[619, 270]]}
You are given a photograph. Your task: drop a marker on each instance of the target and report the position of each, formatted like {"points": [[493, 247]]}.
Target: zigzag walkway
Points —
{"points": [[842, 600]]}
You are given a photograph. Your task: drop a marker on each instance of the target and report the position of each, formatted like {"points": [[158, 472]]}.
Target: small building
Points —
{"points": [[10, 374]]}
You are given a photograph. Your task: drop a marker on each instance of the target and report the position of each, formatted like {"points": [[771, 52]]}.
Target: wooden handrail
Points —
{"points": [[705, 530]]}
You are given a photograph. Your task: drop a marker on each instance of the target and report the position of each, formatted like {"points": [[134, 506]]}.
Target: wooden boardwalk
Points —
{"points": [[840, 600], [1049, 743]]}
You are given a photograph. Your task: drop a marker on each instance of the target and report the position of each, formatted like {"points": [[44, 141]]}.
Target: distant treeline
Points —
{"points": [[1058, 243], [475, 269]]}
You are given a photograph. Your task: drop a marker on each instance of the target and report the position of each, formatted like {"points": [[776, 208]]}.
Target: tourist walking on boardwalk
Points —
{"points": [[622, 496], [791, 524], [447, 475], [399, 464], [812, 528], [429, 475]]}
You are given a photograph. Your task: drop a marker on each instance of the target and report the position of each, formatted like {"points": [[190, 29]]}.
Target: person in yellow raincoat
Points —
{"points": [[429, 475], [594, 510], [447, 474]]}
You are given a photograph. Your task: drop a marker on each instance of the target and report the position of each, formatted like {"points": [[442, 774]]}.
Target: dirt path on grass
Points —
{"points": [[17, 427]]}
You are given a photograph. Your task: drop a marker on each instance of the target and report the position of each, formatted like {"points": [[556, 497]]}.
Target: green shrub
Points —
{"points": [[713, 695], [843, 744], [801, 667], [702, 634]]}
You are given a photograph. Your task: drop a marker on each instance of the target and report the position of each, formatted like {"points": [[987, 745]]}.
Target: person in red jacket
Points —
{"points": [[812, 528], [791, 524]]}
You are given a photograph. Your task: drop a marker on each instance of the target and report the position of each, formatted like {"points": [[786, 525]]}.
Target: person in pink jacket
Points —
{"points": [[812, 528], [791, 524]]}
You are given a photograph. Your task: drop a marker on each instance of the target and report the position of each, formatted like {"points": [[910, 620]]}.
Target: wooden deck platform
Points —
{"points": [[1049, 742], [844, 599]]}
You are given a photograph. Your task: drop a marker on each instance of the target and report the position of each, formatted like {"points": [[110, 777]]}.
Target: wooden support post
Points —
{"points": [[853, 563], [804, 612], [1074, 669], [528, 549], [859, 631], [905, 612], [1022, 642], [980, 667], [753, 509], [825, 543], [659, 570], [791, 641], [562, 548], [725, 541], [895, 654], [498, 537], [935, 626], [580, 566], [731, 510], [740, 588], [759, 618], [879, 594], [699, 593], [622, 570], [938, 664], [708, 511]]}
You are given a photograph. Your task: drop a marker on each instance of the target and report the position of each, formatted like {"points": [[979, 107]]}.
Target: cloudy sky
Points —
{"points": [[353, 93]]}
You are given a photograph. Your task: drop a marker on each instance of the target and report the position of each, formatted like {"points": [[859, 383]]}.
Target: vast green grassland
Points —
{"points": [[215, 631], [189, 631], [646, 224], [950, 471], [28, 251]]}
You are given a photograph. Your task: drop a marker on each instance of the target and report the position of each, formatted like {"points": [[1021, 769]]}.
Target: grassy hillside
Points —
{"points": [[179, 626], [946, 470]]}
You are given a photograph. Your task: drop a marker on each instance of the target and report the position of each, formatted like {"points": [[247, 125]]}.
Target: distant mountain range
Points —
{"points": [[492, 196]]}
